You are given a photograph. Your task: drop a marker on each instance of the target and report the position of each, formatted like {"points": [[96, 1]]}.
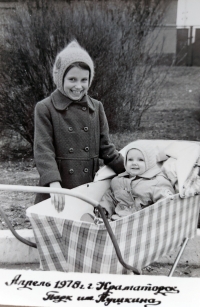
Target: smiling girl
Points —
{"points": [[71, 129]]}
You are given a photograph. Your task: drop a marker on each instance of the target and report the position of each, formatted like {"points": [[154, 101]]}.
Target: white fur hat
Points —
{"points": [[147, 150], [72, 53]]}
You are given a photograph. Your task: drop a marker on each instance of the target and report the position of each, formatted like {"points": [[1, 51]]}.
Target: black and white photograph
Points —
{"points": [[100, 142]]}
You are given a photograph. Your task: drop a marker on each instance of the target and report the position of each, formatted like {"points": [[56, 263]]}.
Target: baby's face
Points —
{"points": [[76, 83], [135, 164]]}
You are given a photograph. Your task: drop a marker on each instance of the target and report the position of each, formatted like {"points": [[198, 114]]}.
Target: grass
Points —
{"points": [[177, 113]]}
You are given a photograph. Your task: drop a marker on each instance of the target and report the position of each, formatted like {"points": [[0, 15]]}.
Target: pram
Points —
{"points": [[65, 243]]}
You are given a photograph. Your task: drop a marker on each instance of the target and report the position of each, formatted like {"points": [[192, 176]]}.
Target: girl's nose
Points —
{"points": [[78, 85]]}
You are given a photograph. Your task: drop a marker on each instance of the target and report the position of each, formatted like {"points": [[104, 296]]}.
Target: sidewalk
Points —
{"points": [[157, 269], [17, 255]]}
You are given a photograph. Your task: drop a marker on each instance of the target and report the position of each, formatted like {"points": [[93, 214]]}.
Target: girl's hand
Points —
{"points": [[57, 200]]}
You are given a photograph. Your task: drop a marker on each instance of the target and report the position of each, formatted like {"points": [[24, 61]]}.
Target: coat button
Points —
{"points": [[86, 149], [71, 171], [85, 170], [84, 108], [85, 129], [71, 150], [70, 129]]}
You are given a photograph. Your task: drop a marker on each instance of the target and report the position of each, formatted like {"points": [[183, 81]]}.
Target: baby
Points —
{"points": [[142, 184]]}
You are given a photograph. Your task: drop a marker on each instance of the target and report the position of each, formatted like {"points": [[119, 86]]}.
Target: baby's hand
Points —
{"points": [[57, 200], [97, 213], [168, 193]]}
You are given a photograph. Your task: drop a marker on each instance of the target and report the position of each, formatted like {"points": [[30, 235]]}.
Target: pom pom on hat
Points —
{"points": [[147, 150], [73, 44], [72, 53]]}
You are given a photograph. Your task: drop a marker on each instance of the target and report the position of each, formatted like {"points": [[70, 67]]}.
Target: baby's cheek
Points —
{"points": [[143, 166]]}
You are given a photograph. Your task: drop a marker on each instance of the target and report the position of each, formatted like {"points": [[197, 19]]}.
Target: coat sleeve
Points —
{"points": [[163, 189], [108, 201], [44, 151], [113, 196], [108, 152]]}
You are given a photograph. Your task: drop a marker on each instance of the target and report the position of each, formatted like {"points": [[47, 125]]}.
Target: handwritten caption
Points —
{"points": [[105, 291]]}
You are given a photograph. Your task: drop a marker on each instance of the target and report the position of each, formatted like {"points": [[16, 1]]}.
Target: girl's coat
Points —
{"points": [[70, 137]]}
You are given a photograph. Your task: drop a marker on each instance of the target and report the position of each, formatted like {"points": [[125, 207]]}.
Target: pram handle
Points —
{"points": [[47, 190], [94, 203], [114, 241]]}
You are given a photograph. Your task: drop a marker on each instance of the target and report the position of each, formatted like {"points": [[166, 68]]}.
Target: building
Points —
{"points": [[179, 35], [188, 32]]}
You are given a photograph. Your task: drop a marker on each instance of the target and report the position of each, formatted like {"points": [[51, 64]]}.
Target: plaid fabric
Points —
{"points": [[143, 238]]}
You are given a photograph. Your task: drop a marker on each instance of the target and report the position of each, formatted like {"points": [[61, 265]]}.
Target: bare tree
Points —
{"points": [[115, 34]]}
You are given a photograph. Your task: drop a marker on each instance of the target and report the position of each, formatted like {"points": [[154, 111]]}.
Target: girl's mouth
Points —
{"points": [[76, 91]]}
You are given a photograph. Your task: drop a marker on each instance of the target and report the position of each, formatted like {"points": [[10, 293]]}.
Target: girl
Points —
{"points": [[141, 185], [71, 129]]}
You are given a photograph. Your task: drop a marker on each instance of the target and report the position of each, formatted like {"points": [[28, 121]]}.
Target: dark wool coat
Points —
{"points": [[70, 137]]}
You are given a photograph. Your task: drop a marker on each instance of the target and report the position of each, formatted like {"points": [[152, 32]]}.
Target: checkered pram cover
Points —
{"points": [[143, 237]]}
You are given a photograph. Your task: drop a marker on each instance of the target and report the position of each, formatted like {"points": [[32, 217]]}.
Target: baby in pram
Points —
{"points": [[142, 184]]}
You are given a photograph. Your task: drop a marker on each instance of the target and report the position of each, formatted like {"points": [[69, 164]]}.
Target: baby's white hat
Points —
{"points": [[147, 150], [72, 53]]}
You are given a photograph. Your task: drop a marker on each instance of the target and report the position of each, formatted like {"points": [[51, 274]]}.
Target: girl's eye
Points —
{"points": [[72, 79], [85, 80], [141, 160]]}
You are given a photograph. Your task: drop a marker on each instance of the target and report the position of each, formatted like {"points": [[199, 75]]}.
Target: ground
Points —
{"points": [[15, 204], [155, 269], [177, 113]]}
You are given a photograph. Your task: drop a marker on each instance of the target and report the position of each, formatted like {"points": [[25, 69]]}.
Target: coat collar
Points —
{"points": [[61, 102], [150, 173]]}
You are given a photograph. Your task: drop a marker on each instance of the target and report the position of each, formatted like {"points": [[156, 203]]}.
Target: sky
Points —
{"points": [[188, 13]]}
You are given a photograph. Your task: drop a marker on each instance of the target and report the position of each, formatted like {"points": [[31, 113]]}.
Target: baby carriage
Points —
{"points": [[65, 243]]}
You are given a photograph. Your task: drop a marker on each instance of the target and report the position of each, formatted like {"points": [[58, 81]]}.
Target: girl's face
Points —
{"points": [[135, 164], [76, 83]]}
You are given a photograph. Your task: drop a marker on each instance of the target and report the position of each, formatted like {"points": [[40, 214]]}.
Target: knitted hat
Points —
{"points": [[72, 53], [146, 149]]}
